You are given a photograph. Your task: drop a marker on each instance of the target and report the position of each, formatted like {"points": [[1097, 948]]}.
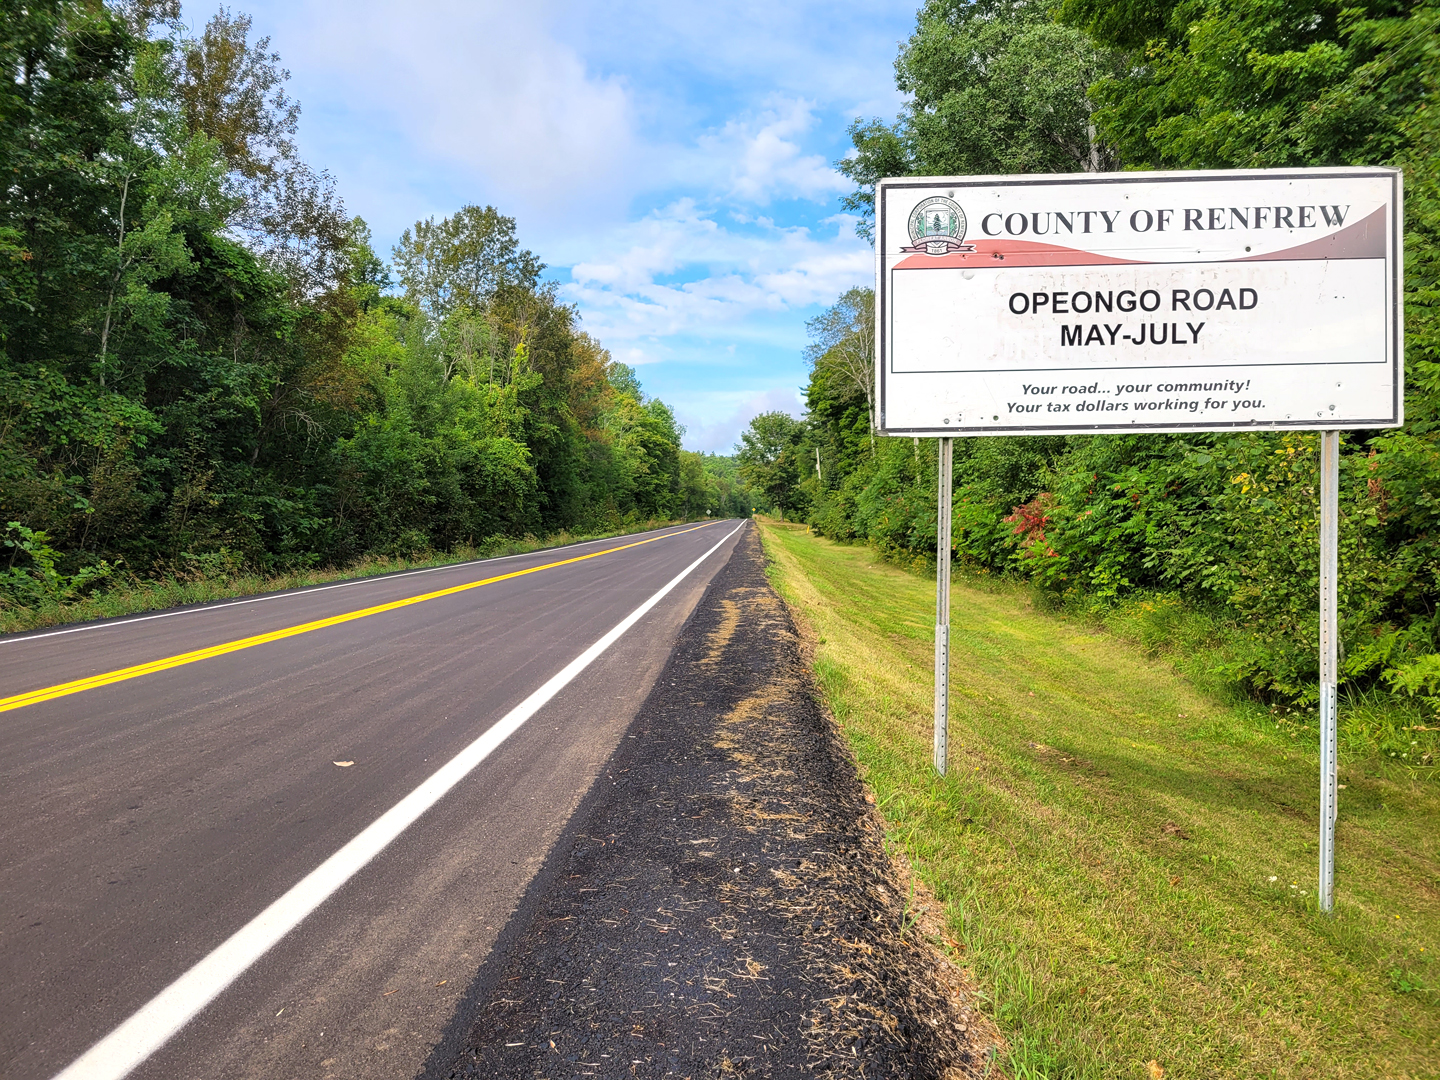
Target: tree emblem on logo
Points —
{"points": [[937, 227]]}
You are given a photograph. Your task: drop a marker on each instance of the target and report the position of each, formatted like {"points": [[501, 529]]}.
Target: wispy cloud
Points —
{"points": [[765, 159], [486, 90], [679, 270], [714, 421]]}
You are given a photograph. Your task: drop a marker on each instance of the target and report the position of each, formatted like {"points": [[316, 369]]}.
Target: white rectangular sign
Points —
{"points": [[1168, 301]]}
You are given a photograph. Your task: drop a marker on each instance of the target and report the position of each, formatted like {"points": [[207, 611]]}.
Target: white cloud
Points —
{"points": [[562, 113], [635, 356], [485, 88], [736, 411], [765, 157], [733, 275], [829, 50]]}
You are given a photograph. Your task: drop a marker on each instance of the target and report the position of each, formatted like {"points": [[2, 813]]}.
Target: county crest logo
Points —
{"points": [[937, 227]]}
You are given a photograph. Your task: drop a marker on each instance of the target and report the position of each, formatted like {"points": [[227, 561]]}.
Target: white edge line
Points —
{"points": [[145, 1032], [305, 590]]}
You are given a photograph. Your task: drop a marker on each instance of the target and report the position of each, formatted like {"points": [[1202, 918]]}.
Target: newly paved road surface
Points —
{"points": [[145, 821]]}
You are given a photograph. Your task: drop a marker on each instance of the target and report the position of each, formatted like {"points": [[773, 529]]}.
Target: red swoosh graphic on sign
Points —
{"points": [[1365, 239], [1008, 252]]}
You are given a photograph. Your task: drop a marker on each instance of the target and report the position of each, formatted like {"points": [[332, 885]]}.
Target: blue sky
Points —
{"points": [[671, 162]]}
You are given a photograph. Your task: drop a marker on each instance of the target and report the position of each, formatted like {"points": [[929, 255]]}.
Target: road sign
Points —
{"points": [[1262, 298]]}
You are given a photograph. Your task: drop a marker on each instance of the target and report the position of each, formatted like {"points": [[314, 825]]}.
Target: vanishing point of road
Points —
{"points": [[289, 828]]}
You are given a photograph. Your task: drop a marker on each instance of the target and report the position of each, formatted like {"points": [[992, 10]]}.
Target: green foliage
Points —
{"points": [[1226, 524], [771, 460], [842, 348], [994, 87], [710, 486], [39, 582], [203, 367], [462, 261], [1230, 522], [1278, 82]]}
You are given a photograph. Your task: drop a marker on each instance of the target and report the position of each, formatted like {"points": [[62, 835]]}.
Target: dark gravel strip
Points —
{"points": [[722, 904]]}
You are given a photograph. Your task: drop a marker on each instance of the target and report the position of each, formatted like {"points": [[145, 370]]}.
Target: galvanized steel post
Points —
{"points": [[1329, 640], [942, 608]]}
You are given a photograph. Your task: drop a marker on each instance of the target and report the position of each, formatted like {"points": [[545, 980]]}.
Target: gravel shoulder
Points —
{"points": [[722, 904]]}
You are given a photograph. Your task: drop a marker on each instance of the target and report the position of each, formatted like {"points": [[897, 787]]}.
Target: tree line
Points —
{"points": [[205, 364], [1226, 522]]}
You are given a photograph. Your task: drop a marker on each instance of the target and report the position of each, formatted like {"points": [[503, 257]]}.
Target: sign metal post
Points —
{"points": [[1329, 637], [942, 608]]}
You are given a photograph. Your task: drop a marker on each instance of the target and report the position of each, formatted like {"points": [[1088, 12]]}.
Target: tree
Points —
{"points": [[770, 459], [994, 86], [233, 91], [624, 379], [842, 341], [463, 261], [1219, 519], [1269, 83], [202, 362]]}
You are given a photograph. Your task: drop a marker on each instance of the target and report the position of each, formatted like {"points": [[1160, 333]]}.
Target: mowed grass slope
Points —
{"points": [[1127, 864]]}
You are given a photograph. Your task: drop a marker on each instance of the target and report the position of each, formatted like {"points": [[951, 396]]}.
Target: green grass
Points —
{"points": [[1199, 644], [1126, 858], [209, 578]]}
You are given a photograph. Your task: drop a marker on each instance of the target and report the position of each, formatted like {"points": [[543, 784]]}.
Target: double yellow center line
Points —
{"points": [[76, 686]]}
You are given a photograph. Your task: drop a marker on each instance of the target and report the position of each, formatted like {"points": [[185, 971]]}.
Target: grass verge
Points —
{"points": [[212, 580], [1127, 860]]}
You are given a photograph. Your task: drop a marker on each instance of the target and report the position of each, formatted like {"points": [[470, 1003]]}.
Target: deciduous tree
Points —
{"points": [[770, 459], [463, 260], [842, 342], [994, 86]]}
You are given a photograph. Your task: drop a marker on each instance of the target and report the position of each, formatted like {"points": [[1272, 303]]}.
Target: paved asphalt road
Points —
{"points": [[145, 821]]}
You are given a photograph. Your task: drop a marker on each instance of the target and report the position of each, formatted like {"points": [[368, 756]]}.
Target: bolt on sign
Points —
{"points": [[1195, 301]]}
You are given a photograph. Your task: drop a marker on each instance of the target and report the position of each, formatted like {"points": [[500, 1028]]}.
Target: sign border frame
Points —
{"points": [[1397, 285]]}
